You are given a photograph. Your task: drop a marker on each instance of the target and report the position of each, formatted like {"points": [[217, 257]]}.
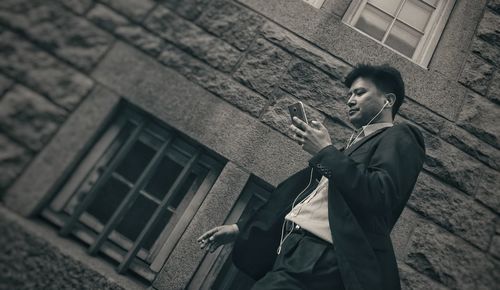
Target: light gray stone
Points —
{"points": [[494, 90], [30, 262], [486, 50], [413, 280], [488, 28], [451, 164], [185, 258], [495, 246], [263, 66], [5, 85], [232, 23], [479, 116], [317, 89], [26, 63], [476, 74], [193, 39], [135, 10], [13, 159], [29, 117], [487, 189], [72, 139], [216, 82], [421, 115], [77, 6], [58, 30], [337, 7], [120, 26], [471, 145], [401, 233], [450, 261], [453, 211], [305, 50], [277, 115]]}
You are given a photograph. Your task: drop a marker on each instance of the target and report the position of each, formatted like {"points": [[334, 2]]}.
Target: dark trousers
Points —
{"points": [[306, 262]]}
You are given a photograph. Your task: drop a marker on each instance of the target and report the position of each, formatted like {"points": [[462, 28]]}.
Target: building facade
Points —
{"points": [[128, 128]]}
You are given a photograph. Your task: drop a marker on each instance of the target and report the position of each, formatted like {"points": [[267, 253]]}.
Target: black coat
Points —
{"points": [[369, 185]]}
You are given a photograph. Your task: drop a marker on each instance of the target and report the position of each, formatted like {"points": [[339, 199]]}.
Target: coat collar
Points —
{"points": [[356, 145]]}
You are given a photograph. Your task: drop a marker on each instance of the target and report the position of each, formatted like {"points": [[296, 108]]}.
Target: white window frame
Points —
{"points": [[425, 49], [315, 3]]}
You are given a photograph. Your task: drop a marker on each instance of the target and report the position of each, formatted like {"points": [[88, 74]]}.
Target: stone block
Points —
{"points": [[476, 74], [495, 246], [401, 233], [30, 262], [231, 22], [317, 89], [494, 90], [278, 117], [451, 164], [421, 115], [77, 6], [29, 117], [13, 159], [185, 258], [489, 28], [339, 132], [26, 63], [5, 85], [58, 30], [486, 50], [305, 50], [494, 5], [479, 116], [487, 189], [192, 39], [453, 211], [120, 26], [214, 81], [450, 261], [413, 280], [337, 7], [470, 144], [190, 9], [135, 10], [262, 67]]}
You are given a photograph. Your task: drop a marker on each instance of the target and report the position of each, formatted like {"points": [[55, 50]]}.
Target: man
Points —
{"points": [[328, 226]]}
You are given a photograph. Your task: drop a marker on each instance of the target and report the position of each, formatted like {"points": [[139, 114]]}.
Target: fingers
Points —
{"points": [[208, 234], [298, 139]]}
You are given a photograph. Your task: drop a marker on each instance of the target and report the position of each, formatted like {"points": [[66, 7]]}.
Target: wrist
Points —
{"points": [[235, 229]]}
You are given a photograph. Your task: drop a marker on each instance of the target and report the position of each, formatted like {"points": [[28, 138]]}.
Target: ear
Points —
{"points": [[391, 99]]}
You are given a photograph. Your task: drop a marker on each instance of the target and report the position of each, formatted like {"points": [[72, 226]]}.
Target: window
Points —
{"points": [[217, 271], [410, 27], [134, 192]]}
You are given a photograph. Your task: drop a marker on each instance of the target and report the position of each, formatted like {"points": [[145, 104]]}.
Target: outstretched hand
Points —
{"points": [[218, 236], [312, 137]]}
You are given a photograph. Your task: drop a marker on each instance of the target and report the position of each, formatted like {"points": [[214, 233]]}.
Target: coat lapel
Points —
{"points": [[356, 145]]}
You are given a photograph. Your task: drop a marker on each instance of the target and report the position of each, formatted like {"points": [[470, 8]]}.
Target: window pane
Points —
{"points": [[156, 231], [179, 195], [164, 177], [373, 22], [108, 199], [136, 218], [135, 161], [403, 38], [416, 14], [389, 6]]}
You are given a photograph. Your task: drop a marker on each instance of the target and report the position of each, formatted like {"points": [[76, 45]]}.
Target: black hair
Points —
{"points": [[386, 78]]}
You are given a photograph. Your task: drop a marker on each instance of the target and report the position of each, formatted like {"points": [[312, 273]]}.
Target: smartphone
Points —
{"points": [[297, 110]]}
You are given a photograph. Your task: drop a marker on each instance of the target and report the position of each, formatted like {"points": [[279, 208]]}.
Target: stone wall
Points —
{"points": [[449, 234]]}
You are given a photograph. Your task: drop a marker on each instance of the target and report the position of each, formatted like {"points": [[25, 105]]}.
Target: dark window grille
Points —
{"points": [[135, 191]]}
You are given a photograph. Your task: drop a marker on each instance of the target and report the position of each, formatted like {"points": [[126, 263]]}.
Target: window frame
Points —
{"points": [[145, 264], [431, 35]]}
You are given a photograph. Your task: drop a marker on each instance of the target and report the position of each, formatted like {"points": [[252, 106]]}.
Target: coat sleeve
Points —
{"points": [[385, 180]]}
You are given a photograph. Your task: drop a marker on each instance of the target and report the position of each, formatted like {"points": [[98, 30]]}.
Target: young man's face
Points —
{"points": [[365, 101]]}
